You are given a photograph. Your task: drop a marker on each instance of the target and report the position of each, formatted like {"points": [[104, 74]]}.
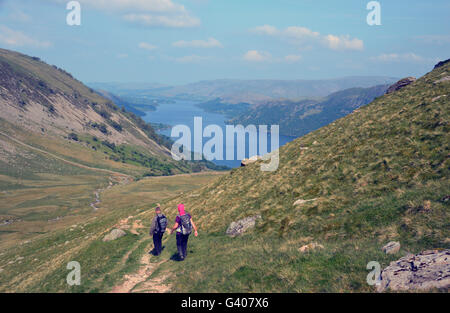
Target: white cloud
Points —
{"points": [[343, 43], [298, 35], [257, 56], [210, 43], [192, 59], [434, 39], [19, 16], [292, 58], [147, 46], [300, 32], [16, 38], [150, 13], [265, 30], [171, 21], [131, 5], [398, 57]]}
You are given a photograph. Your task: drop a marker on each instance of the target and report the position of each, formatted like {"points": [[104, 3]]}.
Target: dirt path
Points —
{"points": [[139, 281]]}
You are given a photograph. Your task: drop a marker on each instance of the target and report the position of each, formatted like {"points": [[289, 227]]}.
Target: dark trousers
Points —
{"points": [[157, 238], [182, 241]]}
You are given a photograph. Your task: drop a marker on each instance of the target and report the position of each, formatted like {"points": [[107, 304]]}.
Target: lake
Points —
{"points": [[182, 112]]}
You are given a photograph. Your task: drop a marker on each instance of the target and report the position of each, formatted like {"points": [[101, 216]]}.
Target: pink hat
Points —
{"points": [[181, 209]]}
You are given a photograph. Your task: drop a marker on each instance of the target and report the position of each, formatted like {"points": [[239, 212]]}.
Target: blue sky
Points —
{"points": [[181, 41]]}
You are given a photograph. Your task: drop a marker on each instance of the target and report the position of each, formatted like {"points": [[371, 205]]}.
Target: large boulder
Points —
{"points": [[400, 84], [427, 270], [239, 227], [114, 234]]}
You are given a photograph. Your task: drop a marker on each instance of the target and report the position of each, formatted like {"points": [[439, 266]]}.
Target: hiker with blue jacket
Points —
{"points": [[157, 229], [183, 225]]}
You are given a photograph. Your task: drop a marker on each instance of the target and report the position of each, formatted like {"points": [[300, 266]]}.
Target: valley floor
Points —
{"points": [[35, 254]]}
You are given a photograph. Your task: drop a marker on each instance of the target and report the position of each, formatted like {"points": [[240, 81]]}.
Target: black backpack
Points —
{"points": [[161, 223], [186, 226]]}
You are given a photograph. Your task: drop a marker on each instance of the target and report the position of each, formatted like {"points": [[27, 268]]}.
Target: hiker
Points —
{"points": [[183, 226], [159, 225]]}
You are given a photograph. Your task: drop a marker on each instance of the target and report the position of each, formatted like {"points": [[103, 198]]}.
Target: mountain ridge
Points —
{"points": [[234, 91]]}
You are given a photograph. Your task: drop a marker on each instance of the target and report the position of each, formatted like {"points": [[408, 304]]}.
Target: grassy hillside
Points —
{"points": [[297, 118], [379, 174]]}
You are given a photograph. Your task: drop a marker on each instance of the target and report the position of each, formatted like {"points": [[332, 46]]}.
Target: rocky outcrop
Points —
{"points": [[441, 63], [392, 247], [427, 270], [251, 160], [400, 84], [114, 234], [239, 227]]}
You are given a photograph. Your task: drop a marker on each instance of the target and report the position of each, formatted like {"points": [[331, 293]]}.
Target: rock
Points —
{"points": [[251, 160], [239, 227], [301, 201], [309, 247], [400, 84], [437, 98], [114, 234], [441, 63], [427, 270], [443, 79], [1, 270], [392, 247]]}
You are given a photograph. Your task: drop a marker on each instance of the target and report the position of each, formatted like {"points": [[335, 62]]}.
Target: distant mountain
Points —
{"points": [[121, 103], [248, 91], [255, 91], [297, 118], [118, 88]]}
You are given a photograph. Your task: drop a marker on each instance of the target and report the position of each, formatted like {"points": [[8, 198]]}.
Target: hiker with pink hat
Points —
{"points": [[183, 225]]}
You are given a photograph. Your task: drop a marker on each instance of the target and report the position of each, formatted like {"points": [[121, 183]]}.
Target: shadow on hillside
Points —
{"points": [[153, 252], [176, 257]]}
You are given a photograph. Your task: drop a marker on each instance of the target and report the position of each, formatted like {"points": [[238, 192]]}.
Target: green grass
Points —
{"points": [[373, 174], [46, 248]]}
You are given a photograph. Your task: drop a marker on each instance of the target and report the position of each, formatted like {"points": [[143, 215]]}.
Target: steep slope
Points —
{"points": [[45, 106], [297, 118], [39, 97], [376, 175]]}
